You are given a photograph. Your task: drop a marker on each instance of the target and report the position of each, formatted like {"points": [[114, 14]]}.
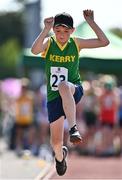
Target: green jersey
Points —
{"points": [[62, 63]]}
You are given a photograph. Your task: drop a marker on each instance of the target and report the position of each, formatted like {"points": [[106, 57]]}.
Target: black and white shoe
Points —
{"points": [[75, 136], [61, 167]]}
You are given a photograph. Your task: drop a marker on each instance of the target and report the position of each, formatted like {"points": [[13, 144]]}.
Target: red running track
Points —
{"points": [[81, 167]]}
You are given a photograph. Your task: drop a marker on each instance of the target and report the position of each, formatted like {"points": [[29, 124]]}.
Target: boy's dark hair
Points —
{"points": [[63, 19]]}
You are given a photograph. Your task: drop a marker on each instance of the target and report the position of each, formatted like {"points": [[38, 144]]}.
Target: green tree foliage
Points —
{"points": [[9, 55], [9, 52], [117, 31], [11, 42], [11, 26]]}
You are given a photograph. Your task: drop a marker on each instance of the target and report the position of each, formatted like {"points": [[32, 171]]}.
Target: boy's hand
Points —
{"points": [[88, 15], [48, 22]]}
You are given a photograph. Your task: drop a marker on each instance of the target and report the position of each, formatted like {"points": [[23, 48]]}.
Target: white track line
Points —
{"points": [[43, 172], [50, 174]]}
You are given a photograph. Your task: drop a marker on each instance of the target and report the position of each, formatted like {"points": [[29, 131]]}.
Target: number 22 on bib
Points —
{"points": [[58, 74]]}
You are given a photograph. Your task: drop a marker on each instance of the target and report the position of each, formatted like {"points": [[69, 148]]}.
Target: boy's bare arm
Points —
{"points": [[101, 39], [40, 44]]}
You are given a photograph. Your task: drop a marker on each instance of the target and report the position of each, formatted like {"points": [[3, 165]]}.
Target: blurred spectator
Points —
{"points": [[41, 119], [120, 107], [120, 118], [90, 115], [90, 107], [24, 118], [7, 116], [108, 106], [88, 111], [108, 116], [0, 109]]}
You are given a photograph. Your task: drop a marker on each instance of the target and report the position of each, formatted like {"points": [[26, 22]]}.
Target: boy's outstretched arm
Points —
{"points": [[101, 39], [40, 44]]}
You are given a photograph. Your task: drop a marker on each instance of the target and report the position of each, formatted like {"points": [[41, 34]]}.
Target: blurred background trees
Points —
{"points": [[18, 29], [11, 42], [15, 29], [117, 31]]}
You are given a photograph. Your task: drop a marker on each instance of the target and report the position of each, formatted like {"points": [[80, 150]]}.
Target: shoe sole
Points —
{"points": [[75, 140]]}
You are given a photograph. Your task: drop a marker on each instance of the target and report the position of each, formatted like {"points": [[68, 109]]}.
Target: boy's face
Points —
{"points": [[62, 34]]}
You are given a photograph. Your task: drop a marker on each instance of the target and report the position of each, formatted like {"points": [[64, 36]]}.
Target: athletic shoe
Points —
{"points": [[75, 136], [61, 167]]}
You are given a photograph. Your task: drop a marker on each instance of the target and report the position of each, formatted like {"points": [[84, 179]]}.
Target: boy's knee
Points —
{"points": [[63, 87]]}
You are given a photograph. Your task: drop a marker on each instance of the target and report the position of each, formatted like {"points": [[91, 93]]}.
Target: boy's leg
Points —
{"points": [[57, 132], [67, 90]]}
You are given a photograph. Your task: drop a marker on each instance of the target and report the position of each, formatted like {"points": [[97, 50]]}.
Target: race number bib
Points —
{"points": [[58, 74]]}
